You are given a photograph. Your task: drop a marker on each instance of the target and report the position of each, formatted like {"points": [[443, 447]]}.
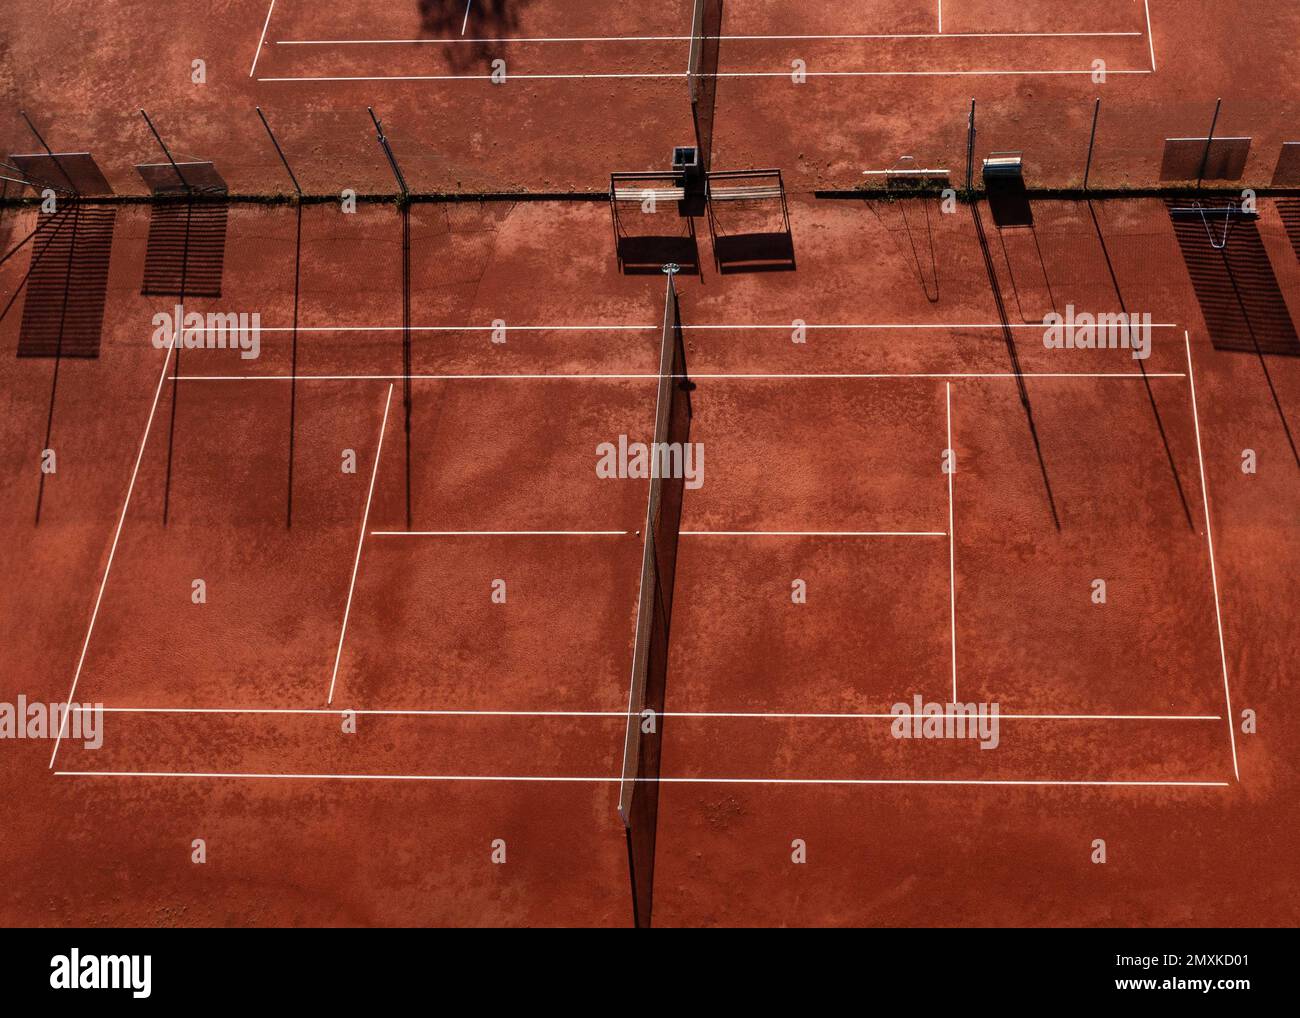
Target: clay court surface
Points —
{"points": [[368, 592], [597, 86]]}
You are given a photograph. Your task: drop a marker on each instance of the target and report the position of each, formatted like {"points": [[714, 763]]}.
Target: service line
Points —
{"points": [[620, 714], [598, 780], [848, 36]]}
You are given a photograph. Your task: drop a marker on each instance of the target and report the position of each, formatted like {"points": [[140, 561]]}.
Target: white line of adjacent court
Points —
{"points": [[594, 76], [1151, 41], [112, 551], [684, 533], [813, 533], [265, 25], [694, 376], [513, 40], [622, 715], [356, 565], [1214, 573], [595, 780], [500, 533], [745, 326], [952, 552]]}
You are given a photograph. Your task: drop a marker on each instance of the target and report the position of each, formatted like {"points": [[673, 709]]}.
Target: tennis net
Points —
{"points": [[702, 73], [639, 791]]}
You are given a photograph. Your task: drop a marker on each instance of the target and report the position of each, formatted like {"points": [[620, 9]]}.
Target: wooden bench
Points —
{"points": [[641, 194], [663, 192], [743, 193], [744, 185]]}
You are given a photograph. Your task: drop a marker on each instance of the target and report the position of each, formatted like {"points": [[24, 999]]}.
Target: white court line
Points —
{"points": [[719, 376], [121, 519], [894, 325], [952, 554], [941, 17], [365, 519], [851, 36], [596, 780], [1214, 575], [732, 326], [465, 24], [500, 533], [745, 715], [1151, 42], [476, 328], [631, 75], [813, 533], [265, 25]]}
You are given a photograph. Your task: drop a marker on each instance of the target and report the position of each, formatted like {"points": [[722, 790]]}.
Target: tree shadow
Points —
{"points": [[475, 26]]}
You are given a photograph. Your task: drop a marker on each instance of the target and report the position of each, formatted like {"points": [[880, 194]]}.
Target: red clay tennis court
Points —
{"points": [[364, 616]]}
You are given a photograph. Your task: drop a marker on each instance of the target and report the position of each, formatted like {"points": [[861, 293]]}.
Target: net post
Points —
{"points": [[1092, 140], [293, 350], [970, 152], [405, 210], [163, 145], [279, 151], [388, 152], [1209, 140], [32, 127]]}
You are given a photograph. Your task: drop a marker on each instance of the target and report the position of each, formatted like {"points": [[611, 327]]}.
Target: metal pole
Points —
{"points": [[970, 151], [279, 151], [1205, 156], [30, 183], [1092, 140], [157, 137], [32, 127], [388, 151]]}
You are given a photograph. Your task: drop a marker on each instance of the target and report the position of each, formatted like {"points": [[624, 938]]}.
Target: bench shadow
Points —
{"points": [[754, 252], [647, 255]]}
